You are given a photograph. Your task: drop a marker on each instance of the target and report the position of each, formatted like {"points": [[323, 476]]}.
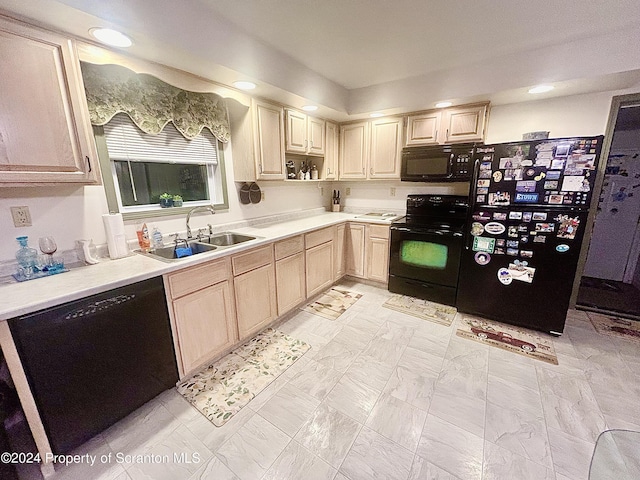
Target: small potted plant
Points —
{"points": [[166, 200], [177, 201]]}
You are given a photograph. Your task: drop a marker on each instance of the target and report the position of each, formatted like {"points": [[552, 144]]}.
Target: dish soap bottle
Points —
{"points": [[156, 237], [27, 257]]}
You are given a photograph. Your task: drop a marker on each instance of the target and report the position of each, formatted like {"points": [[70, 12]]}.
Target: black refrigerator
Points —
{"points": [[530, 202]]}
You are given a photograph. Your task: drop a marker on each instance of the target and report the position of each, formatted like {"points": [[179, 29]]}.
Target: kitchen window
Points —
{"points": [[143, 166]]}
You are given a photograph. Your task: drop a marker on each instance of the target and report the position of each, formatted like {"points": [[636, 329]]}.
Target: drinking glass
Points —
{"points": [[48, 246]]}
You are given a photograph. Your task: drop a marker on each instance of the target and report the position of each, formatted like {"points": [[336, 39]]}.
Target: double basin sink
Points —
{"points": [[202, 244]]}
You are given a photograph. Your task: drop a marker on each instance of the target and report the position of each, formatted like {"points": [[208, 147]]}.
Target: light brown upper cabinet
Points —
{"points": [[331, 151], [371, 149], [45, 132], [465, 123], [304, 134], [269, 140]]}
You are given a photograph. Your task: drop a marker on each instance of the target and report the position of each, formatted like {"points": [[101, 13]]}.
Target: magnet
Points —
{"points": [[545, 227], [499, 216], [498, 251], [524, 239], [526, 197], [497, 176], [526, 186], [539, 216], [477, 228], [551, 185], [523, 227], [500, 198], [481, 198], [515, 215], [567, 227], [512, 251], [526, 163], [563, 247], [484, 183], [526, 216], [526, 253], [484, 174], [486, 166], [504, 276], [553, 175], [512, 243], [482, 190], [540, 176], [481, 216], [512, 231], [529, 172], [520, 270], [494, 228], [482, 258], [540, 239], [500, 242], [483, 244]]}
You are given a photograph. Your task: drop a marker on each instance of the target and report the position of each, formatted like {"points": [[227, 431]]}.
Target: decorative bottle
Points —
{"points": [[27, 257], [314, 173]]}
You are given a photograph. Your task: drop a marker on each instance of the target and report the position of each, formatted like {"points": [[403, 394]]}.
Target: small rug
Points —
{"points": [[333, 303], [220, 390], [508, 337], [434, 312], [616, 326]]}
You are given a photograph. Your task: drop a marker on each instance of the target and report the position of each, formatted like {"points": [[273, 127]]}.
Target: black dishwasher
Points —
{"points": [[93, 361]]}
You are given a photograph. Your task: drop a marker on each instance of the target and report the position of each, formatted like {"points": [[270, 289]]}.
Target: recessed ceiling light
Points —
{"points": [[110, 37], [376, 115], [310, 108], [242, 85], [443, 104], [541, 89]]}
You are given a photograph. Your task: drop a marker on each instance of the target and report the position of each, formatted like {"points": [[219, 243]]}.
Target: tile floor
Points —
{"points": [[382, 395]]}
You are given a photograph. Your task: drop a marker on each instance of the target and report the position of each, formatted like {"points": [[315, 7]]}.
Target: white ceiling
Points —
{"points": [[353, 57]]}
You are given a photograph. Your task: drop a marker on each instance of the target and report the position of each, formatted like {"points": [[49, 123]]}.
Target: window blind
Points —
{"points": [[127, 142]]}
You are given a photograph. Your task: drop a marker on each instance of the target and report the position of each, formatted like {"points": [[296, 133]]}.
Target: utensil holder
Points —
{"points": [[335, 207]]}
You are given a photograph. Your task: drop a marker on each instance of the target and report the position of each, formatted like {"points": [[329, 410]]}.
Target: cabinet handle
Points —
{"points": [[371, 171], [88, 162], [363, 170], [436, 137], [260, 167], [328, 172], [447, 135]]}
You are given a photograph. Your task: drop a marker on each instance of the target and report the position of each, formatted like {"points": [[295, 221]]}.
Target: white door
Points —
{"points": [[613, 252]]}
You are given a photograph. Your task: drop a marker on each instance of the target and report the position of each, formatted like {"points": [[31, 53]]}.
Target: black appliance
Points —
{"points": [[426, 246], [91, 362], [530, 203], [437, 163]]}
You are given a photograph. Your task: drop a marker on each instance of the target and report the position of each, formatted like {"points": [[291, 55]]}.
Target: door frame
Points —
{"points": [[617, 102]]}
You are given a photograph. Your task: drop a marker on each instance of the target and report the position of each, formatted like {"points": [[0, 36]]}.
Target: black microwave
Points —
{"points": [[437, 163]]}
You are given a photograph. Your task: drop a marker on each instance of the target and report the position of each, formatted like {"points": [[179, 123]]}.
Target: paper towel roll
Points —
{"points": [[116, 239]]}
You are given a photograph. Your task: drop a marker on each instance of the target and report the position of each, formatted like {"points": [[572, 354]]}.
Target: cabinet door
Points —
{"points": [[464, 124], [296, 132], [355, 250], [354, 150], [290, 282], [378, 259], [269, 141], [255, 293], [45, 133], [386, 148], [331, 152], [205, 324], [423, 129], [338, 252], [315, 136], [319, 266]]}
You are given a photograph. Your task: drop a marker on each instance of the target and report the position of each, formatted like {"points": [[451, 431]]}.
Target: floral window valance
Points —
{"points": [[151, 103]]}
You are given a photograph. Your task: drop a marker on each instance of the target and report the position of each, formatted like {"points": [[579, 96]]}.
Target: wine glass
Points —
{"points": [[48, 246]]}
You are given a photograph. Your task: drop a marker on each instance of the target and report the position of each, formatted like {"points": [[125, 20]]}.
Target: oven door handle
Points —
{"points": [[432, 231]]}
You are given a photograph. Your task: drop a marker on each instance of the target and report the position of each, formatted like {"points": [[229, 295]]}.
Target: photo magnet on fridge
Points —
{"points": [[482, 258], [567, 226], [484, 244], [504, 276]]}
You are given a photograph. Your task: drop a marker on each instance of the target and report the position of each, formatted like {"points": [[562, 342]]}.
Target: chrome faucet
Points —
{"points": [[208, 208]]}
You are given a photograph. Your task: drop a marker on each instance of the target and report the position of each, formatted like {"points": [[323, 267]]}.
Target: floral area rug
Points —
{"points": [[508, 337], [434, 312], [220, 390], [616, 326], [333, 303]]}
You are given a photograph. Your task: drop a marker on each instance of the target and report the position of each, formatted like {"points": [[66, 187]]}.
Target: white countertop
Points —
{"points": [[26, 297]]}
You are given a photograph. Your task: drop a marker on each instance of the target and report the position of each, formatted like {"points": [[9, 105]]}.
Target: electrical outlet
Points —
{"points": [[393, 191], [21, 216], [261, 194], [321, 191], [347, 191]]}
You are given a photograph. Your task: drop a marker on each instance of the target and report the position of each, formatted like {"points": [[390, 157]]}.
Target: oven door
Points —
{"points": [[429, 255]]}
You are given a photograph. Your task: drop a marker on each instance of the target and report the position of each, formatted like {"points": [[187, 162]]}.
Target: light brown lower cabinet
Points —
{"points": [[377, 253], [202, 311], [205, 322], [290, 282], [254, 284], [355, 249], [319, 265]]}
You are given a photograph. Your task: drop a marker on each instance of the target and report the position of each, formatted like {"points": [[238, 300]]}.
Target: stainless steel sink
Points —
{"points": [[379, 216], [202, 244], [169, 253], [227, 239]]}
